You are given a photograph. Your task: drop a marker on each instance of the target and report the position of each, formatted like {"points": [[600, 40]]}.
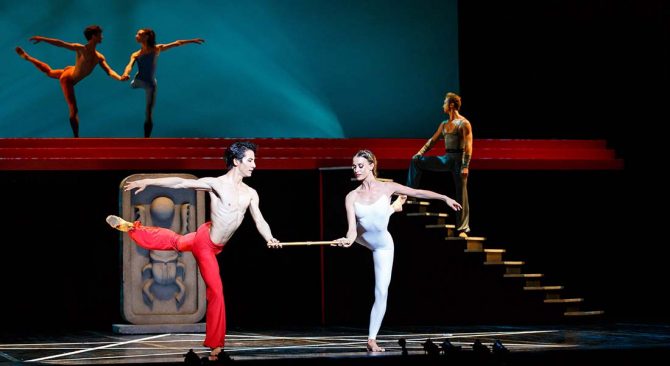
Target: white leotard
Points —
{"points": [[372, 225]]}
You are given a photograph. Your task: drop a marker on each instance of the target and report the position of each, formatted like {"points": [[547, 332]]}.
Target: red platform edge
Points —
{"points": [[291, 153]]}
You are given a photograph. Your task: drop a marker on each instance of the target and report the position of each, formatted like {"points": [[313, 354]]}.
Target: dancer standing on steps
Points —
{"points": [[368, 213], [230, 198], [457, 134], [86, 58], [146, 58]]}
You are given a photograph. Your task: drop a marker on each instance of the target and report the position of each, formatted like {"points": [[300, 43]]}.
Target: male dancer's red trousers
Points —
{"points": [[204, 251]]}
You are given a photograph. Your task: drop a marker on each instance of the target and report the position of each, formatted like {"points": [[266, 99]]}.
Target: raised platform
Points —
{"points": [[290, 154]]}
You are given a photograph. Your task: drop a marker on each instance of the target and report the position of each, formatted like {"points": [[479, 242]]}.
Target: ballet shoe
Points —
{"points": [[119, 223]]}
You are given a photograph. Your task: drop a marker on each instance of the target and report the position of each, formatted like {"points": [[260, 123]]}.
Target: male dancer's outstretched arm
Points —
{"points": [[57, 43], [169, 182], [109, 71], [262, 225]]}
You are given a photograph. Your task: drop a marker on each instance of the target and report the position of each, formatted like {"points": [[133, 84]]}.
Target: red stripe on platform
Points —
{"points": [[287, 154]]}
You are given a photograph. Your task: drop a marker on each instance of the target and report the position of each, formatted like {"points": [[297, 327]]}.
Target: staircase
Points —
{"points": [[551, 294]]}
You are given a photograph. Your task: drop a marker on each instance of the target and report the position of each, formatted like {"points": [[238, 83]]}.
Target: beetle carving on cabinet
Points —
{"points": [[163, 275]]}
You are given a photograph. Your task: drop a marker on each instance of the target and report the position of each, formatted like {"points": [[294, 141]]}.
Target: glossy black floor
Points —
{"points": [[614, 344]]}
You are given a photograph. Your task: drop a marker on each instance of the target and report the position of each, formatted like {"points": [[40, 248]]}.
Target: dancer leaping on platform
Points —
{"points": [[86, 58], [368, 213], [146, 58], [230, 198]]}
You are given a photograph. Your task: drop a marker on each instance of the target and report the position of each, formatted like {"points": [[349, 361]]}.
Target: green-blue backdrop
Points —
{"points": [[275, 68]]}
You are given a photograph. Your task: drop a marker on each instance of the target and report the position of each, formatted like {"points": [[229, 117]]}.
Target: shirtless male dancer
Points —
{"points": [[458, 138], [230, 198], [86, 59]]}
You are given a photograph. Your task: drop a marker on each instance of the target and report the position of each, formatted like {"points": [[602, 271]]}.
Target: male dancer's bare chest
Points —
{"points": [[229, 200], [85, 62]]}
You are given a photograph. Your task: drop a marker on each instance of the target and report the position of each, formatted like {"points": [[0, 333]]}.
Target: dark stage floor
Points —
{"points": [[623, 343]]}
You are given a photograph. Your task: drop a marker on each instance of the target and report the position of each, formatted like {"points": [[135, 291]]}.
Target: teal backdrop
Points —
{"points": [[282, 68]]}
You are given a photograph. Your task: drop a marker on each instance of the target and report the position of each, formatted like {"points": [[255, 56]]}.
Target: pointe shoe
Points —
{"points": [[462, 234], [21, 52], [373, 347], [119, 223]]}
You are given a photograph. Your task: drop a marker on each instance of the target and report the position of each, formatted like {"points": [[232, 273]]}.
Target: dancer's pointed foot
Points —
{"points": [[119, 223], [21, 53], [373, 347], [397, 204]]}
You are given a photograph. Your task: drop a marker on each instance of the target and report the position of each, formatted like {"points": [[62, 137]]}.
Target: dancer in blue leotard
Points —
{"points": [[368, 211], [146, 59]]}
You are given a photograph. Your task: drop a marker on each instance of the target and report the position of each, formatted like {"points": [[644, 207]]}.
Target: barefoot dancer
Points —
{"points": [[146, 58], [457, 135], [86, 59], [368, 215]]}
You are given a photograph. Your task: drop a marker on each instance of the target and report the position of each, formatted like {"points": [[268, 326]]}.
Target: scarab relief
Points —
{"points": [[163, 275]]}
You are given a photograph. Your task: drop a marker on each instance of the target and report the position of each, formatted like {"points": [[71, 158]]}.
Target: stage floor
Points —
{"points": [[348, 344]]}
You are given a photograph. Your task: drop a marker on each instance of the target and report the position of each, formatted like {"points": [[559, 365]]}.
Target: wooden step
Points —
{"points": [[472, 243], [428, 214], [417, 203], [505, 263], [542, 288], [572, 307], [563, 301], [485, 251], [440, 226], [552, 296], [523, 275], [584, 313], [532, 282], [421, 205], [441, 221], [450, 228], [492, 255], [469, 238]]}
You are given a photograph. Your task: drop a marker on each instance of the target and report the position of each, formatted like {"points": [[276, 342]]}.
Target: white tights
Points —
{"points": [[383, 262]]}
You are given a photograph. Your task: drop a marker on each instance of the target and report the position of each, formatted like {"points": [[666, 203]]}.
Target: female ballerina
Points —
{"points": [[146, 58], [368, 211]]}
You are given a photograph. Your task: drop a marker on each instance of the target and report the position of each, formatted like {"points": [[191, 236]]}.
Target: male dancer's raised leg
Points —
{"points": [[42, 66]]}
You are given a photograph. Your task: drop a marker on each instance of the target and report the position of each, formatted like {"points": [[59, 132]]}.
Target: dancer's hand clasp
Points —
{"points": [[343, 242]]}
